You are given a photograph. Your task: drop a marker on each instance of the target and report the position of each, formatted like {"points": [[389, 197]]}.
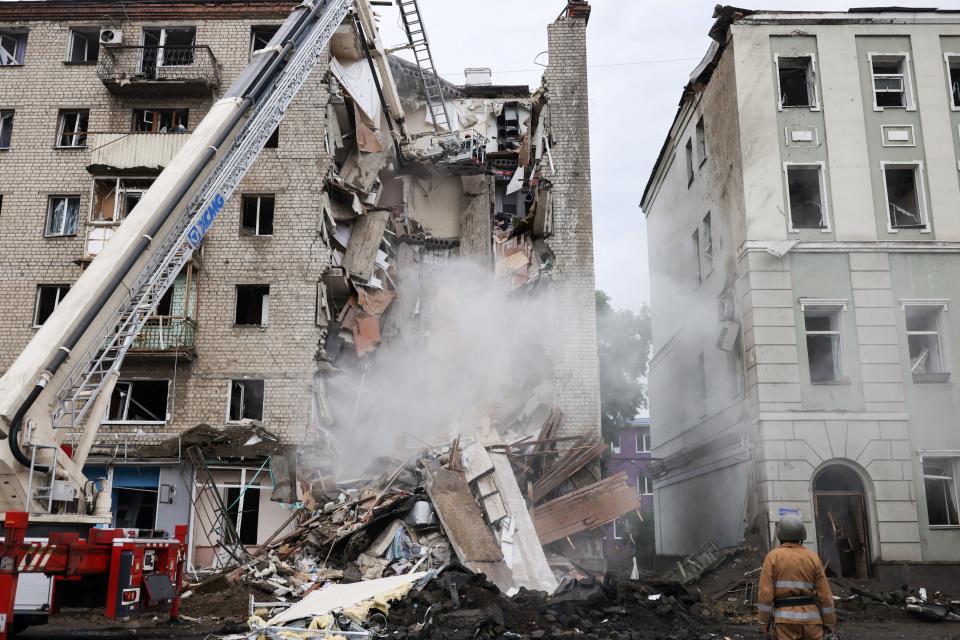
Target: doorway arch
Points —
{"points": [[842, 523]]}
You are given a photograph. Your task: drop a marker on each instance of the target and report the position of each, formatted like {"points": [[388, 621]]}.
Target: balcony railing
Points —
{"points": [[150, 152], [166, 335], [175, 71]]}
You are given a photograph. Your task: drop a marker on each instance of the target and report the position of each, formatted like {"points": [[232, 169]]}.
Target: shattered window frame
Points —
{"points": [[13, 47], [6, 128], [238, 406], [798, 169], [808, 64], [127, 390], [159, 120], [696, 246], [618, 525], [83, 45], [953, 79], [895, 205], [940, 482], [691, 171], [73, 126], [257, 200], [66, 223], [701, 134], [40, 305], [125, 190], [895, 71], [821, 372], [924, 330], [706, 234], [262, 34]]}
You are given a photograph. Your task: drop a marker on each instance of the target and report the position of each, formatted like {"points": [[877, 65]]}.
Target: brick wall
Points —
{"points": [[573, 314]]}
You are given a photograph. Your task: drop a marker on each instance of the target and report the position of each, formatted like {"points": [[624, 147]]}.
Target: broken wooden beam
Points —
{"points": [[587, 508]]}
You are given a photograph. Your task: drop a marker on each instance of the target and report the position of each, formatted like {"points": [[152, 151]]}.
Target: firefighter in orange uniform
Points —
{"points": [[794, 601]]}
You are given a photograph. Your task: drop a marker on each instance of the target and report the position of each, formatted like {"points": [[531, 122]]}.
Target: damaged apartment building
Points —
{"points": [[804, 243], [235, 397]]}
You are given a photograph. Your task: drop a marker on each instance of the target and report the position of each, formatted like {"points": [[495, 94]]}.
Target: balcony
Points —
{"points": [[166, 336], [133, 152], [159, 72]]}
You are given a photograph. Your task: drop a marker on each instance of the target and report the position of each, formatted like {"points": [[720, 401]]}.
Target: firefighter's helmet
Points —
{"points": [[791, 529]]}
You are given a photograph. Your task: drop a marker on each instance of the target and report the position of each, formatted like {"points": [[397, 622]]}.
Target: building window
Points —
{"points": [[891, 84], [257, 215], [246, 400], [806, 201], [84, 46], [923, 339], [643, 443], [645, 485], [72, 129], [6, 128], [939, 481], [274, 140], [621, 529], [13, 46], [615, 445], [139, 401], [696, 256], [48, 299], [63, 214], [904, 203], [260, 36], [172, 47], [253, 304], [689, 152], [824, 353], [115, 198], [953, 77], [795, 79], [243, 505], [707, 230], [701, 141], [160, 120]]}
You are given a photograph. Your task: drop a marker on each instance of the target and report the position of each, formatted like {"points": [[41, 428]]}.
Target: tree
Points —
{"points": [[623, 344]]}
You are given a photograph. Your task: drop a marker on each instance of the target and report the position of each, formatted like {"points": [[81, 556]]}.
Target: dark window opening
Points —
{"points": [[806, 199], [160, 120], [796, 86], [72, 129], [139, 401], [274, 140], [822, 327], [701, 141], [246, 400], [940, 483], [508, 123], [955, 80], [260, 36], [6, 128], [244, 512], [923, 339], [257, 215], [13, 46], [167, 48], [689, 155], [84, 46], [889, 82], [49, 297], [253, 304], [166, 303], [135, 508], [903, 197]]}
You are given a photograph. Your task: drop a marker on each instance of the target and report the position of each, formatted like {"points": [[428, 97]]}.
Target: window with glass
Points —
{"points": [[643, 443], [6, 129], [824, 348], [890, 88], [63, 216], [645, 485]]}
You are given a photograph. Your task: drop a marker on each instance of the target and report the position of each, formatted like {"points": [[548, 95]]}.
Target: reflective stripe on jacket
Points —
{"points": [[791, 571]]}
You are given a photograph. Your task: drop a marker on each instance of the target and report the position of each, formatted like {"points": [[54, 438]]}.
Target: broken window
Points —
{"points": [[243, 505], [804, 184], [701, 141], [939, 481], [253, 304], [160, 120], [645, 485], [707, 241], [274, 140], [696, 255], [615, 445], [923, 339], [84, 46], [889, 81], [643, 443], [689, 152], [822, 328], [257, 215], [48, 298], [115, 198], [903, 196], [139, 401], [953, 76], [167, 47], [13, 46], [260, 36], [621, 528], [63, 214], [6, 128], [508, 122], [246, 400], [795, 76], [72, 129]]}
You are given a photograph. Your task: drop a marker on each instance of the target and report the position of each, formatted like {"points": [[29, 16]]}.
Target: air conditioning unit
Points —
{"points": [[111, 36]]}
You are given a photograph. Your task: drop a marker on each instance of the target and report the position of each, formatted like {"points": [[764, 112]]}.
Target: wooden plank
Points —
{"points": [[461, 518], [586, 508], [361, 253], [565, 467]]}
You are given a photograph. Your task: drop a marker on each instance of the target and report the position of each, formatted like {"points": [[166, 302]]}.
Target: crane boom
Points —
{"points": [[64, 377]]}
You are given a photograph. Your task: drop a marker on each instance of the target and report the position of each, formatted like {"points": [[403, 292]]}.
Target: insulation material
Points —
{"points": [[358, 80], [366, 333]]}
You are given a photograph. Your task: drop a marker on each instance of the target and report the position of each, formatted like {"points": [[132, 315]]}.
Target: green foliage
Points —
{"points": [[624, 339]]}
